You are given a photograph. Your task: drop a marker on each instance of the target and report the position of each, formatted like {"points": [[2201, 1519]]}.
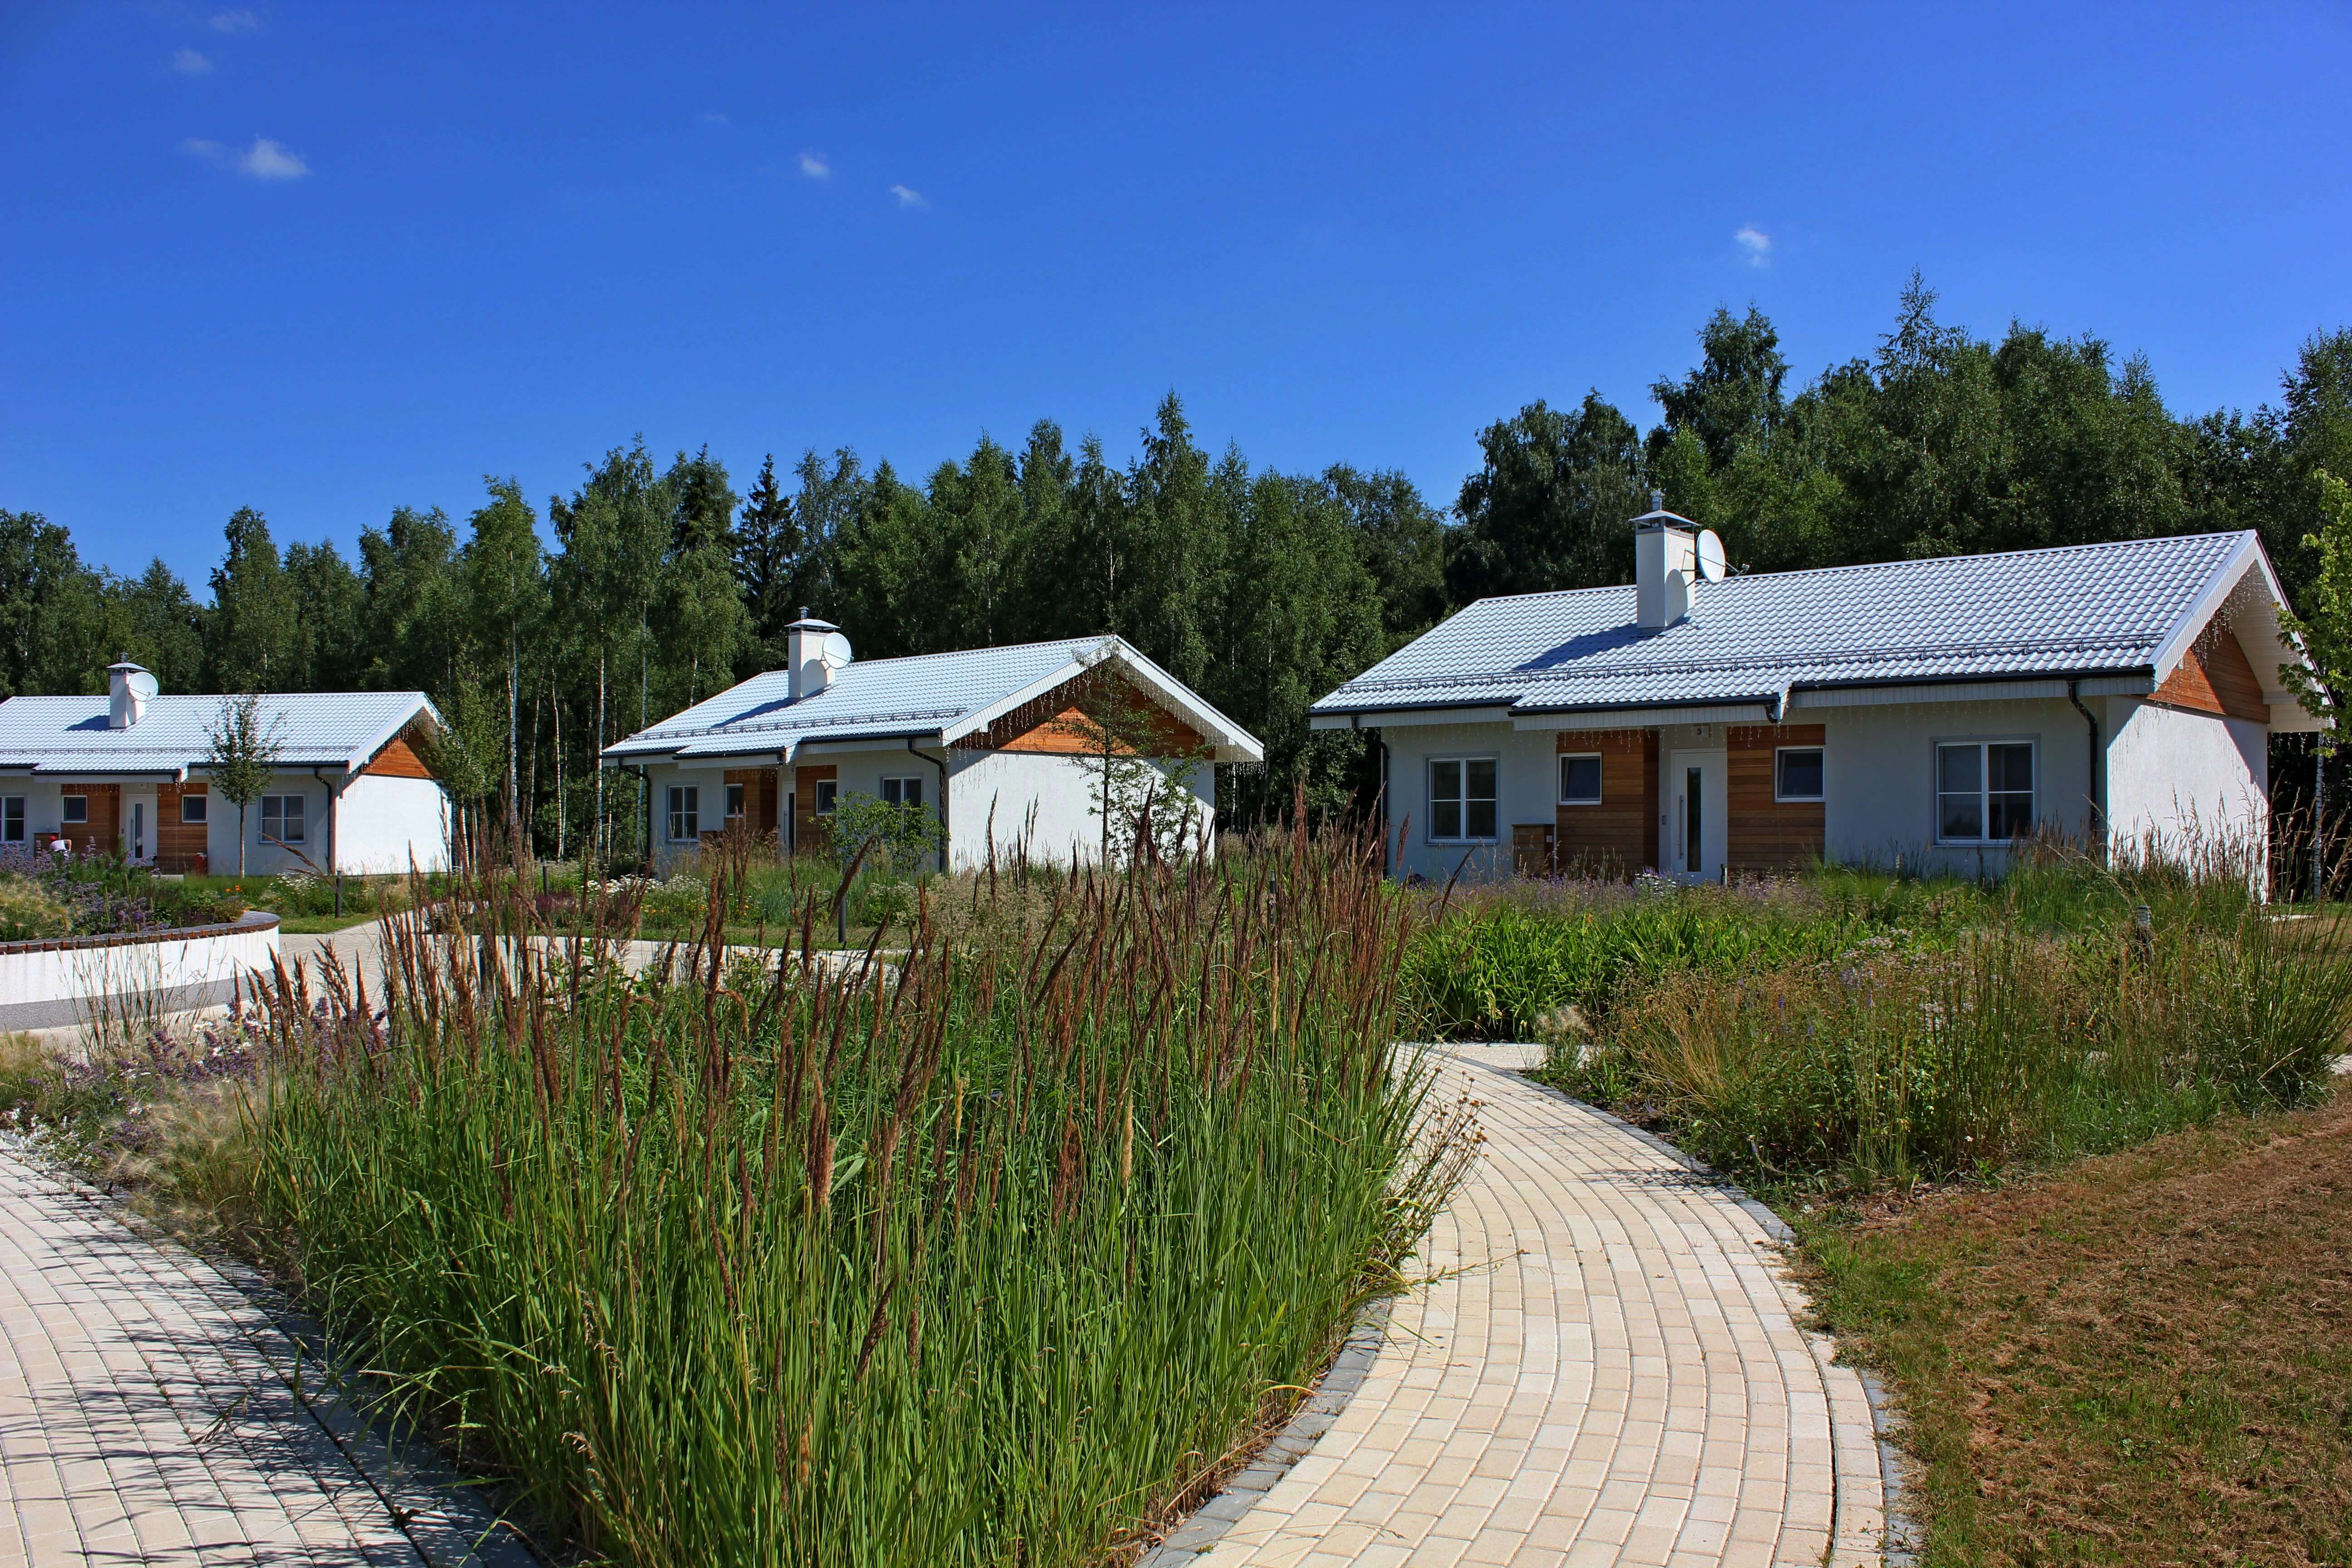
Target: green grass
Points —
{"points": [[987, 1259]]}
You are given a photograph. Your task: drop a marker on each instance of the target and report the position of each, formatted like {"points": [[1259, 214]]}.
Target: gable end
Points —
{"points": [[1055, 722], [2216, 678]]}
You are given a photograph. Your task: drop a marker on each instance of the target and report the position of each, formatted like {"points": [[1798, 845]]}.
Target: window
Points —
{"points": [[12, 819], [827, 791], [75, 808], [685, 813], [1461, 799], [281, 817], [192, 810], [1579, 780], [734, 801], [903, 791], [1984, 791], [1797, 773]]}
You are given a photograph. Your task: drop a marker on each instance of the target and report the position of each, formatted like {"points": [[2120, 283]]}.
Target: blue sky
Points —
{"points": [[325, 260]]}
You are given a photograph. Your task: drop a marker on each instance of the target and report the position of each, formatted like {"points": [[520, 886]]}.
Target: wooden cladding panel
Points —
{"points": [[1620, 836], [1056, 723], [398, 760], [1767, 836], [2216, 678], [102, 834], [177, 844], [807, 833], [758, 798]]}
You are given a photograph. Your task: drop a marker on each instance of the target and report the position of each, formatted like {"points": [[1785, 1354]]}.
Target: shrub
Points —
{"points": [[27, 912]]}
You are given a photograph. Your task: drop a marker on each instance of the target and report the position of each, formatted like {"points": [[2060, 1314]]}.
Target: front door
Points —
{"points": [[139, 826], [1697, 802]]}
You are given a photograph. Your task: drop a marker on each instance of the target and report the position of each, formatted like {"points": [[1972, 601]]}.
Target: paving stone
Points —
{"points": [[1602, 1365]]}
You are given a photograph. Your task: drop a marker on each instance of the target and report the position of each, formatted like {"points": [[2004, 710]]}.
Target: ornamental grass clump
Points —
{"points": [[1887, 1065], [987, 1255]]}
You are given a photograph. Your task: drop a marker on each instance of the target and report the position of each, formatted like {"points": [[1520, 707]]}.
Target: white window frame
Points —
{"points": [[1984, 791], [1463, 760], [301, 813], [824, 795], [1779, 794], [1600, 788], [66, 817], [738, 802], [905, 783], [682, 814], [12, 816], [201, 802]]}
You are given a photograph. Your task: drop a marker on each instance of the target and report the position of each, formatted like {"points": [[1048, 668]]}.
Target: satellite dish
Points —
{"points": [[141, 684], [835, 651], [1710, 555]]}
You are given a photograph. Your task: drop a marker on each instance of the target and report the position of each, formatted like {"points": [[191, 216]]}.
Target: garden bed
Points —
{"points": [[134, 977]]}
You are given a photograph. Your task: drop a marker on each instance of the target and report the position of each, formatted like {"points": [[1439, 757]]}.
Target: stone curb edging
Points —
{"points": [[444, 1518], [1204, 1525]]}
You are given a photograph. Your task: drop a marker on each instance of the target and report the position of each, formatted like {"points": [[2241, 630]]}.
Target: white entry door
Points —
{"points": [[139, 826], [1698, 800]]}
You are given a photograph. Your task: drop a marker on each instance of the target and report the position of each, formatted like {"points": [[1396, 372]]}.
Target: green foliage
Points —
{"points": [[2325, 625], [880, 835], [241, 757], [986, 1275], [29, 912]]}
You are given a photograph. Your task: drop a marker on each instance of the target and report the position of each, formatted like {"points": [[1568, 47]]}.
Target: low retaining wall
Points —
{"points": [[79, 980]]}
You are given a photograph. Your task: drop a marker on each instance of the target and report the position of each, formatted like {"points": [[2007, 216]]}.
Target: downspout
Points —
{"points": [[941, 763], [2098, 782], [334, 801]]}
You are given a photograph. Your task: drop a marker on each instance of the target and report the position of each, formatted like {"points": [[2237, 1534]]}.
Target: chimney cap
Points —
{"points": [[808, 623], [1659, 516]]}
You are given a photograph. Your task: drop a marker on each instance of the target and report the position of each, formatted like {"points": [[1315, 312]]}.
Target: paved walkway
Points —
{"points": [[148, 1413], [1605, 1369]]}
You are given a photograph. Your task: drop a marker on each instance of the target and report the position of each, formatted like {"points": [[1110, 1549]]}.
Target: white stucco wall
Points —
{"points": [[383, 824], [2176, 780], [1527, 782], [1879, 782], [46, 986], [1050, 797]]}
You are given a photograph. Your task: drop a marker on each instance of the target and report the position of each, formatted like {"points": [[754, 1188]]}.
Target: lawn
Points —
{"points": [[2142, 1358]]}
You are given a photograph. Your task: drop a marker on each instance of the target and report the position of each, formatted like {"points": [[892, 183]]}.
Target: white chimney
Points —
{"points": [[814, 651], [128, 687], [1665, 565]]}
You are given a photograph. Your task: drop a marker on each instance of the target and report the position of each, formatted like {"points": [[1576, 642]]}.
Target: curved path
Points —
{"points": [[1604, 1367], [150, 1414]]}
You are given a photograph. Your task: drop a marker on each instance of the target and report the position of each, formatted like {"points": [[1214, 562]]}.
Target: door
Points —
{"points": [[139, 826], [1698, 799]]}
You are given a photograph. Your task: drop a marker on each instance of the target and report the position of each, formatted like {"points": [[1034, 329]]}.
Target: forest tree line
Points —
{"points": [[542, 632]]}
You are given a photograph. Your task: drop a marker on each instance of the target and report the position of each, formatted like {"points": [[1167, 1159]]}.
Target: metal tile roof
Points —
{"points": [[2075, 610], [324, 729], [924, 696]]}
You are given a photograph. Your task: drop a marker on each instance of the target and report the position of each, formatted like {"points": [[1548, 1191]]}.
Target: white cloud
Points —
{"points": [[267, 159], [814, 167], [712, 116], [908, 198], [239, 20], [187, 62], [1756, 244]]}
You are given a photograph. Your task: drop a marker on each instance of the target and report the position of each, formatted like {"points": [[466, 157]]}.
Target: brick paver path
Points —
{"points": [[146, 1413], [1606, 1369]]}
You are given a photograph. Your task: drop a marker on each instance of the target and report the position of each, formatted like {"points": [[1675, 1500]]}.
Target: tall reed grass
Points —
{"points": [[987, 1256]]}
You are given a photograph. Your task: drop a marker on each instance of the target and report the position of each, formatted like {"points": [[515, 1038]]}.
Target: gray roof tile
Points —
{"points": [[2073, 610], [321, 729]]}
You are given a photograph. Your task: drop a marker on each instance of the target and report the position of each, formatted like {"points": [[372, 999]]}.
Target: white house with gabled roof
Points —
{"points": [[1923, 712], [125, 773], [993, 740]]}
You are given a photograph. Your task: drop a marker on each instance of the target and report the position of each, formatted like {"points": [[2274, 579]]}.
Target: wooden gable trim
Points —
{"points": [[2215, 676], [398, 760], [1055, 722]]}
